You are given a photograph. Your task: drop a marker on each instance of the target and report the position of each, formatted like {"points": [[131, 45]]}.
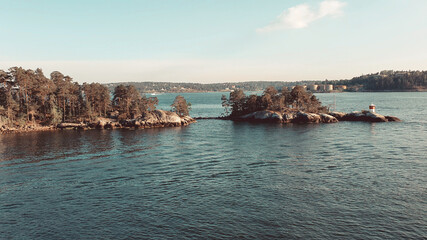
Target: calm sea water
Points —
{"points": [[218, 179]]}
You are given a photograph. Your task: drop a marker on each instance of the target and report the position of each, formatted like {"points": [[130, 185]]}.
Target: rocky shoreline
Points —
{"points": [[303, 117], [154, 119], [160, 119]]}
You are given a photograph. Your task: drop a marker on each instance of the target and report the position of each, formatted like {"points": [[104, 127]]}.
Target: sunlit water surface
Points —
{"points": [[220, 179]]}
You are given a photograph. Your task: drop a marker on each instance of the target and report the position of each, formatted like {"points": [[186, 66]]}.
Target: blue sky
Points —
{"points": [[214, 41]]}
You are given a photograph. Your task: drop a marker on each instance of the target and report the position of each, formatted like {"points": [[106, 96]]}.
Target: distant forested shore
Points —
{"points": [[387, 80]]}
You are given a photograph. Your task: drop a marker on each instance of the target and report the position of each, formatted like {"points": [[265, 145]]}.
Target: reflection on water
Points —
{"points": [[373, 128]]}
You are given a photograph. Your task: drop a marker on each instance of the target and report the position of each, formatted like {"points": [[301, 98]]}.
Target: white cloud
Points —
{"points": [[302, 15]]}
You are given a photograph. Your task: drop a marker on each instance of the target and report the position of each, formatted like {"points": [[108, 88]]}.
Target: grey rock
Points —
{"points": [[264, 116]]}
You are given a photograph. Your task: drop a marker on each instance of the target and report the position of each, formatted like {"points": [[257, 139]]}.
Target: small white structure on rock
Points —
{"points": [[372, 108]]}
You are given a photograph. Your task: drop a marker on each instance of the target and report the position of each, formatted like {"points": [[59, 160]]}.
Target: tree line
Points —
{"points": [[27, 95], [380, 81], [202, 87], [298, 99], [394, 80], [388, 80]]}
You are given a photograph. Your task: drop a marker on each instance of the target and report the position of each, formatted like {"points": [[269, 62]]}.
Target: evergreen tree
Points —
{"points": [[181, 106]]}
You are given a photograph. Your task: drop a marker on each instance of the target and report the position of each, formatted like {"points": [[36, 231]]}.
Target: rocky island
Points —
{"points": [[297, 106]]}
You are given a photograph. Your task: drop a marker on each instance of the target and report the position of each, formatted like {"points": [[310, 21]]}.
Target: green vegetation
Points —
{"points": [[128, 103], [181, 106], [238, 104], [387, 80], [29, 97]]}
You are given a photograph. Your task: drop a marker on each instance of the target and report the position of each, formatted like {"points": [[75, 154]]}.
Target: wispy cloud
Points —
{"points": [[302, 15]]}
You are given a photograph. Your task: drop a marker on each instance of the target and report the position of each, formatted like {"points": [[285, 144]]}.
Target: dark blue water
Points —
{"points": [[218, 179]]}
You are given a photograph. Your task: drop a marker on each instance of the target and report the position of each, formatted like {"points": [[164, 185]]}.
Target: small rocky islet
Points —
{"points": [[296, 106]]}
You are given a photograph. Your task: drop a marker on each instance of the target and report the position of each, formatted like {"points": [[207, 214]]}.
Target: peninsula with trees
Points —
{"points": [[31, 101]]}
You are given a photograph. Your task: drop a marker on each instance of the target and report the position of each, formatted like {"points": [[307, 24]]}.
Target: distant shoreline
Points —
{"points": [[392, 91], [383, 81]]}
